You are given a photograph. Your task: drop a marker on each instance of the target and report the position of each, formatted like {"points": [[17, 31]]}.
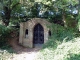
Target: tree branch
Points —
{"points": [[15, 5]]}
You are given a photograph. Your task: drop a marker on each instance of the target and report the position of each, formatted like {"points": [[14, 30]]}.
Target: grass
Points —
{"points": [[6, 52], [66, 51], [64, 44], [5, 55]]}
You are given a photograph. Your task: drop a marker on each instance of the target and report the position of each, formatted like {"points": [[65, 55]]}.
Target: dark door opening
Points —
{"points": [[38, 34]]}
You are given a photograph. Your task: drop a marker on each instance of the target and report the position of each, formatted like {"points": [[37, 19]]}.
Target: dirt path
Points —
{"points": [[21, 52], [24, 53]]}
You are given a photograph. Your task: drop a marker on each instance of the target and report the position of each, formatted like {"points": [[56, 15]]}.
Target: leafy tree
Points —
{"points": [[51, 9], [64, 6], [9, 9], [31, 8]]}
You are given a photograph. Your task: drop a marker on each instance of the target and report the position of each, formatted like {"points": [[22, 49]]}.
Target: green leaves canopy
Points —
{"points": [[10, 9]]}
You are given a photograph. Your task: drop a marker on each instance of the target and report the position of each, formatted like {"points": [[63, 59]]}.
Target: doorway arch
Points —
{"points": [[38, 34]]}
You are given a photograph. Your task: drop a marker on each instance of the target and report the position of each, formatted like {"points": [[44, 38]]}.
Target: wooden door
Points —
{"points": [[38, 34]]}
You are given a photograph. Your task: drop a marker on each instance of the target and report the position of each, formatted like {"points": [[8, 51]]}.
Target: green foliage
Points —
{"points": [[59, 35], [59, 32], [62, 45], [6, 52], [4, 35], [63, 4], [66, 51], [74, 57], [11, 10]]}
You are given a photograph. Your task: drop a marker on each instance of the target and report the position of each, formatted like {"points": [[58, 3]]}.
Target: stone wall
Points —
{"points": [[27, 39]]}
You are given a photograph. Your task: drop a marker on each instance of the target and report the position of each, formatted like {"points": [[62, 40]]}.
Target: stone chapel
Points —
{"points": [[34, 31]]}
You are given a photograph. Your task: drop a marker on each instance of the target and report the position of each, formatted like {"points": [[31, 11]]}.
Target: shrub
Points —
{"points": [[66, 51], [62, 45], [4, 35], [59, 35]]}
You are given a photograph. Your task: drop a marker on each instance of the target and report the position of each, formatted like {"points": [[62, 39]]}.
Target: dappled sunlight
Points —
{"points": [[45, 54], [25, 56], [64, 51], [5, 55]]}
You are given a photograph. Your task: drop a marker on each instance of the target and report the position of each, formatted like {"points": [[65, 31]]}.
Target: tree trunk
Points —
{"points": [[79, 16], [64, 20], [6, 18]]}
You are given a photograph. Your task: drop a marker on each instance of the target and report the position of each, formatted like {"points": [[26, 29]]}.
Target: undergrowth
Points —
{"points": [[6, 52], [64, 44], [66, 51], [59, 35]]}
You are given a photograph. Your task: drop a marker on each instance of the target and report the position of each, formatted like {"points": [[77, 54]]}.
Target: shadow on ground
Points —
{"points": [[20, 49]]}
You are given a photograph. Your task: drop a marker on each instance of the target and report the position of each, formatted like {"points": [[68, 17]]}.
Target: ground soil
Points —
{"points": [[23, 53]]}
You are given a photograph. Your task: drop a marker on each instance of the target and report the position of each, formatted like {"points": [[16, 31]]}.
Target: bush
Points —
{"points": [[6, 54], [74, 57], [59, 35], [66, 51], [4, 35], [62, 45]]}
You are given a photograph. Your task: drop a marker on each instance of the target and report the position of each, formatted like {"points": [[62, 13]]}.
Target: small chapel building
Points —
{"points": [[34, 31]]}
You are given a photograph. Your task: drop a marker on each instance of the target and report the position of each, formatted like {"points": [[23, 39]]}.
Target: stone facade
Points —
{"points": [[27, 39]]}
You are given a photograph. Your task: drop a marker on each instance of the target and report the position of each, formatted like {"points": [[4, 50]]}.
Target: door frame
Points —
{"points": [[41, 31]]}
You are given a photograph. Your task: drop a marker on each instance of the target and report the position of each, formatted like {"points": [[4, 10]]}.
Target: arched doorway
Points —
{"points": [[38, 34]]}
